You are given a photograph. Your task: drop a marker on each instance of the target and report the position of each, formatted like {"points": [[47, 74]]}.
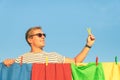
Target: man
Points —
{"points": [[35, 37]]}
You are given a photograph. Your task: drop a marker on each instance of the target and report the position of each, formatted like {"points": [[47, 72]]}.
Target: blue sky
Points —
{"points": [[65, 23]]}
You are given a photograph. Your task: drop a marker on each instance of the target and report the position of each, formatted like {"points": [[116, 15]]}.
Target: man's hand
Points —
{"points": [[8, 62], [90, 40]]}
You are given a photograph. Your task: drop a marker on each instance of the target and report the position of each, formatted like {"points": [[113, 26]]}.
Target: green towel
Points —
{"points": [[87, 72]]}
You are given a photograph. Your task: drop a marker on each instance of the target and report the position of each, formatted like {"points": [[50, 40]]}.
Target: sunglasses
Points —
{"points": [[39, 34]]}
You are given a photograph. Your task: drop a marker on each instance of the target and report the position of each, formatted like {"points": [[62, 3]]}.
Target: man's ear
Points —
{"points": [[29, 40]]}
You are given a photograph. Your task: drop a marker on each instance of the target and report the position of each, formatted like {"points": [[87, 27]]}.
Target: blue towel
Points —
{"points": [[15, 72]]}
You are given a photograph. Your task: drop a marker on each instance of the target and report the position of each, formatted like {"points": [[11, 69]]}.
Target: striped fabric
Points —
{"points": [[30, 57]]}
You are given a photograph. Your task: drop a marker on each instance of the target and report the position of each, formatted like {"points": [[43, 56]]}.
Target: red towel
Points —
{"points": [[57, 71]]}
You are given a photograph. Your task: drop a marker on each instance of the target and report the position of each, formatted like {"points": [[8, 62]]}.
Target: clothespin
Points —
{"points": [[46, 60], [116, 59], [96, 61], [89, 31], [21, 60]]}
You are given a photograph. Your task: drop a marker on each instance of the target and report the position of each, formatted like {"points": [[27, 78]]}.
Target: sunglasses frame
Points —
{"points": [[39, 35]]}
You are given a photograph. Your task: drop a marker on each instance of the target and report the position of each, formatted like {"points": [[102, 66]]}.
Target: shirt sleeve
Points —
{"points": [[17, 60], [20, 58]]}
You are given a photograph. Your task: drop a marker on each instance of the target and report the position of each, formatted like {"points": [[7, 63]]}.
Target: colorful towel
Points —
{"points": [[59, 71], [51, 72], [15, 72], [87, 72], [111, 71]]}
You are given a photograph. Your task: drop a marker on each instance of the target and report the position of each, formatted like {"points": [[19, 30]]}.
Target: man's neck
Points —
{"points": [[37, 50]]}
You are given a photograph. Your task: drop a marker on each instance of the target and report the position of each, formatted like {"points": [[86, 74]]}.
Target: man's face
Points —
{"points": [[38, 39]]}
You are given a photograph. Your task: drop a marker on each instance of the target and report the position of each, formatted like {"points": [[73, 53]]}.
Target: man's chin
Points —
{"points": [[42, 46]]}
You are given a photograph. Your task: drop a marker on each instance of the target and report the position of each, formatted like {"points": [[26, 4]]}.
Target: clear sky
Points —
{"points": [[65, 23]]}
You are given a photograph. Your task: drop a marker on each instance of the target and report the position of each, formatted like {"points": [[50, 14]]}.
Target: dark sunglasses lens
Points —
{"points": [[44, 35], [40, 35]]}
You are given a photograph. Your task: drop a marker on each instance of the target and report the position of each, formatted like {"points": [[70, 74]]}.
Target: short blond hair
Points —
{"points": [[29, 32]]}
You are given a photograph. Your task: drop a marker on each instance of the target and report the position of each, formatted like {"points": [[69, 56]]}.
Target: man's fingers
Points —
{"points": [[92, 37], [8, 62]]}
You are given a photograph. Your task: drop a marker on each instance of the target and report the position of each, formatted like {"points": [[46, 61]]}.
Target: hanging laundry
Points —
{"points": [[87, 72], [59, 71], [111, 70], [53, 71], [15, 72]]}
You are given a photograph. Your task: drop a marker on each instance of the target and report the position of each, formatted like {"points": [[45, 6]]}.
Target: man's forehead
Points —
{"points": [[37, 31]]}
